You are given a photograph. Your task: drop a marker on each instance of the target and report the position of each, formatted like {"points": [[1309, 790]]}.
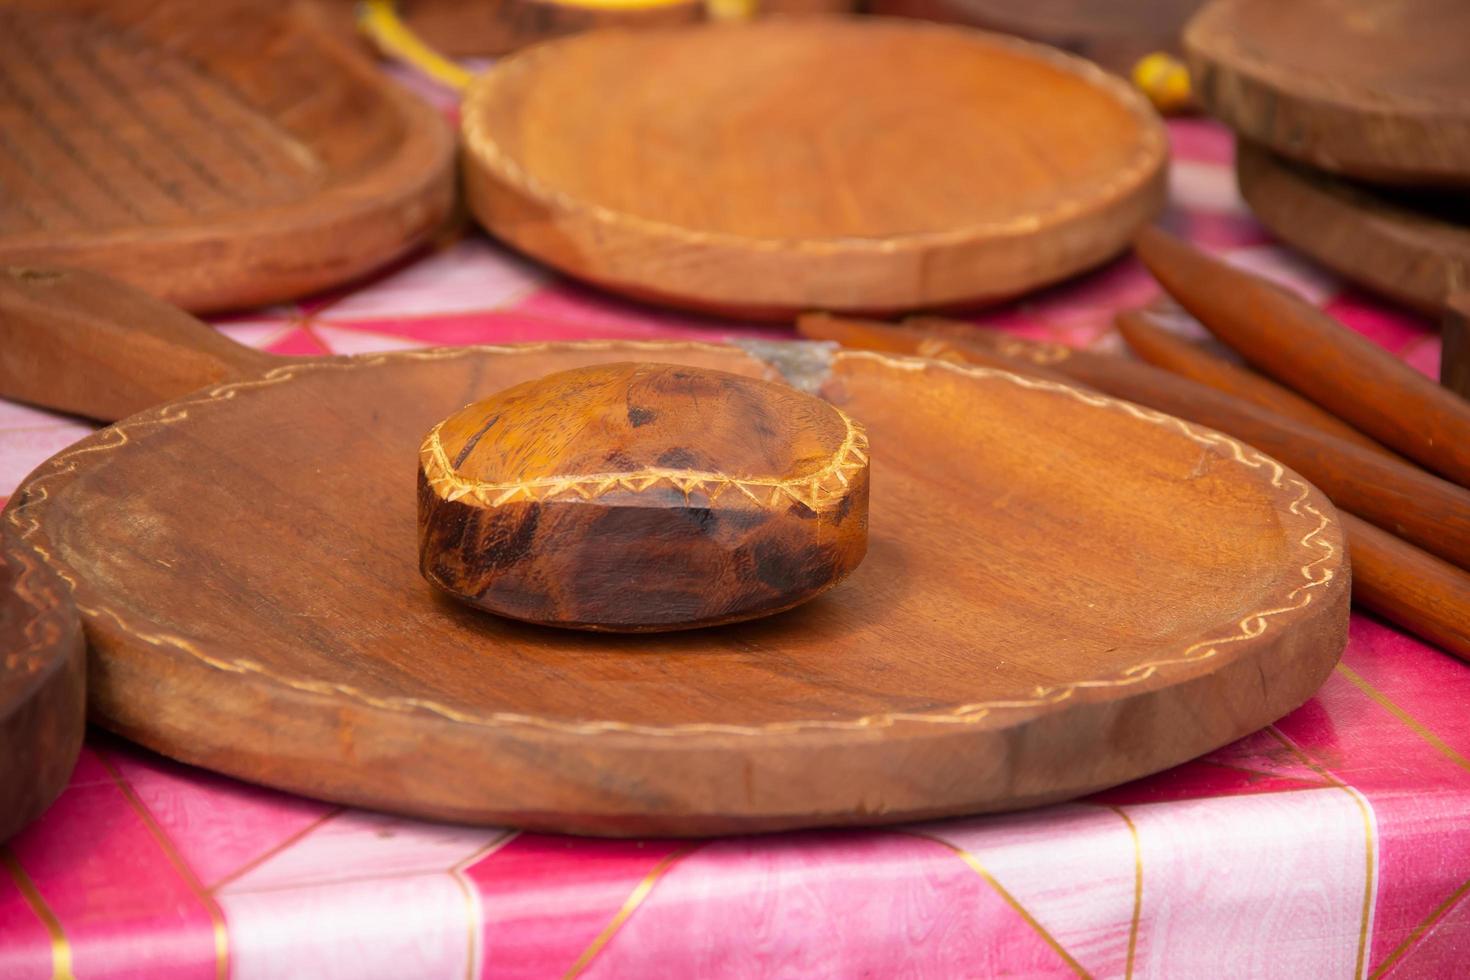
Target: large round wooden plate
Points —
{"points": [[1410, 244], [221, 154], [1062, 592], [1374, 89], [796, 164], [42, 684]]}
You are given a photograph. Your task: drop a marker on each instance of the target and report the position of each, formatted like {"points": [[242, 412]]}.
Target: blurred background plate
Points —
{"points": [[1372, 89], [216, 155], [1410, 244], [862, 165]]}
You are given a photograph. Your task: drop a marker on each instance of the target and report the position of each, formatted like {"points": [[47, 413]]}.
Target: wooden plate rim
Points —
{"points": [[1263, 178], [55, 657], [1323, 534], [1304, 89], [481, 149], [419, 172]]}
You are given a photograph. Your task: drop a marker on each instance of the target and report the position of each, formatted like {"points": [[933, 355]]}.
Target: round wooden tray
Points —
{"points": [[42, 684], [1364, 88], [1410, 245], [217, 155], [1062, 592], [785, 165]]}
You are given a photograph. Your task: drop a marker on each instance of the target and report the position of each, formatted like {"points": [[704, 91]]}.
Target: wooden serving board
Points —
{"points": [[786, 165], [1373, 89], [1410, 245], [42, 684], [1062, 592], [215, 154]]}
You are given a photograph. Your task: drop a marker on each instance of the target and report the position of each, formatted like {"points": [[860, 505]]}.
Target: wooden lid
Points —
{"points": [[1364, 88], [784, 165], [636, 496]]}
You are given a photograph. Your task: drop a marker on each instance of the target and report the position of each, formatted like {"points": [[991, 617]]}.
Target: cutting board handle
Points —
{"points": [[82, 343]]}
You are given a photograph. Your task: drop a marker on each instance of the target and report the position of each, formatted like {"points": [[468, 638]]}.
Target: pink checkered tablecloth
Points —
{"points": [[1335, 843]]}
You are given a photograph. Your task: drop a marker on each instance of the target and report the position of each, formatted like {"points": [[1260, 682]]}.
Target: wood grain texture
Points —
{"points": [[1373, 89], [1425, 595], [640, 497], [1422, 593], [1415, 505], [1412, 246], [1114, 34], [1454, 357], [1062, 592], [1306, 349], [771, 168], [42, 685], [216, 155], [1158, 346]]}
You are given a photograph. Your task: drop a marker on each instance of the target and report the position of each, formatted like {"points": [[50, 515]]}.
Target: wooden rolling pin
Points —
{"points": [[1391, 577], [1299, 345], [1162, 348], [1416, 590]]}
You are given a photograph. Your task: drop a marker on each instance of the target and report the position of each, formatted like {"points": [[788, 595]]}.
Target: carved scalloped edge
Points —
{"points": [[1247, 627], [822, 489], [41, 629]]}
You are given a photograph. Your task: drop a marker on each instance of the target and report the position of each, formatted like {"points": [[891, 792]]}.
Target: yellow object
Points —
{"points": [[378, 19], [1164, 80], [730, 9]]}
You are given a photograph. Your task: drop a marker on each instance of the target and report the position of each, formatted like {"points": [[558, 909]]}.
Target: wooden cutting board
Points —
{"points": [[1374, 89], [215, 154], [1062, 592], [787, 165], [42, 684], [1412, 245]]}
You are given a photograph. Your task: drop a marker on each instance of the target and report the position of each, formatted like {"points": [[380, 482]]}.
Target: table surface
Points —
{"points": [[1333, 843]]}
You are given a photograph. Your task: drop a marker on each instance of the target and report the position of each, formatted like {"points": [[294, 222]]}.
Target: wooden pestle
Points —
{"points": [[1299, 345], [1418, 591]]}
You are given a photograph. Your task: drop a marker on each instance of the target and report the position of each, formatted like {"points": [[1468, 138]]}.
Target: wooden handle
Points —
{"points": [[1416, 590], [1454, 355], [1161, 348], [80, 342], [1415, 505], [1299, 345]]}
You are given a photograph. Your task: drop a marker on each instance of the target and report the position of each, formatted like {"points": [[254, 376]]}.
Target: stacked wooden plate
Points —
{"points": [[1354, 118]]}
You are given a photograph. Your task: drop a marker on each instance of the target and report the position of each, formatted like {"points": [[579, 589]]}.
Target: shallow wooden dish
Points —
{"points": [[1366, 88], [1062, 592], [42, 684], [790, 164], [217, 154], [1410, 245]]}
